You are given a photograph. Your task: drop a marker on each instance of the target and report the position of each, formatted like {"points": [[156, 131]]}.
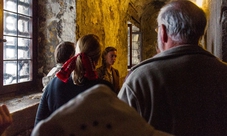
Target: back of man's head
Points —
{"points": [[185, 22]]}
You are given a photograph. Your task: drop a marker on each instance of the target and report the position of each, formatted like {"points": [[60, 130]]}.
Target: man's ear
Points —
{"points": [[164, 35]]}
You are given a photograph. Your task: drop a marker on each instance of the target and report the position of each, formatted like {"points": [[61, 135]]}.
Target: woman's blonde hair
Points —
{"points": [[89, 45]]}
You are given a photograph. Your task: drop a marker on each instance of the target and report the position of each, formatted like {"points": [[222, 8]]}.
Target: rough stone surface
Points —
{"points": [[148, 25], [56, 23]]}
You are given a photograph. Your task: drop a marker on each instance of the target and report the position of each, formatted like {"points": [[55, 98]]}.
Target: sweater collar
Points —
{"points": [[176, 51]]}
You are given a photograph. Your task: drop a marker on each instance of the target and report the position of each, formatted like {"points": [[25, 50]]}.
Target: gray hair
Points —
{"points": [[185, 22]]}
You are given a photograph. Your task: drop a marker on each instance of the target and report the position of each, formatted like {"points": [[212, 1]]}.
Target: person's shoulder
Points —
{"points": [[56, 79], [100, 72], [115, 69], [57, 82], [56, 85]]}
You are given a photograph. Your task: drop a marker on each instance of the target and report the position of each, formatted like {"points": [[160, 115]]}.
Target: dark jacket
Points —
{"points": [[182, 91], [57, 93]]}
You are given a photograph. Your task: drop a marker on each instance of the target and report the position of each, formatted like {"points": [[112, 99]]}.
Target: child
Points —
{"points": [[63, 52]]}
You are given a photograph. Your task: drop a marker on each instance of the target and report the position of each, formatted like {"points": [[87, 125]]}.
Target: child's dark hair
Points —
{"points": [[64, 51]]}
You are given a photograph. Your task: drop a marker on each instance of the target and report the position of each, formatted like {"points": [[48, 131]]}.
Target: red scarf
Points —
{"points": [[69, 66]]}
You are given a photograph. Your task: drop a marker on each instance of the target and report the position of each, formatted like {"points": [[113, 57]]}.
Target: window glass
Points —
{"points": [[17, 50]]}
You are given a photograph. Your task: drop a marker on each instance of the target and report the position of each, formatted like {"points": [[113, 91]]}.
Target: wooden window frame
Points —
{"points": [[25, 86]]}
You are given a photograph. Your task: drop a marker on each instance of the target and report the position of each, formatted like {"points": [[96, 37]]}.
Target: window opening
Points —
{"points": [[134, 45], [17, 50]]}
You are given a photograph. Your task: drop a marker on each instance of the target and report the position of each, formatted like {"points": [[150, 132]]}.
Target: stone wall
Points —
{"points": [[57, 20], [148, 25]]}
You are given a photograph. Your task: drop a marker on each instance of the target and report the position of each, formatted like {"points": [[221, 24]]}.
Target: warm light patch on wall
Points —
{"points": [[199, 3]]}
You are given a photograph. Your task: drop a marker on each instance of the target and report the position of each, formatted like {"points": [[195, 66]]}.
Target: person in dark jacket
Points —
{"points": [[182, 90]]}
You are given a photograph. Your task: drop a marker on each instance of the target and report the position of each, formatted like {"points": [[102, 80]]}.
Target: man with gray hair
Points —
{"points": [[183, 89]]}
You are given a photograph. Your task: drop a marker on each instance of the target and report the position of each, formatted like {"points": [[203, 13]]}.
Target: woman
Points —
{"points": [[106, 71], [77, 75]]}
